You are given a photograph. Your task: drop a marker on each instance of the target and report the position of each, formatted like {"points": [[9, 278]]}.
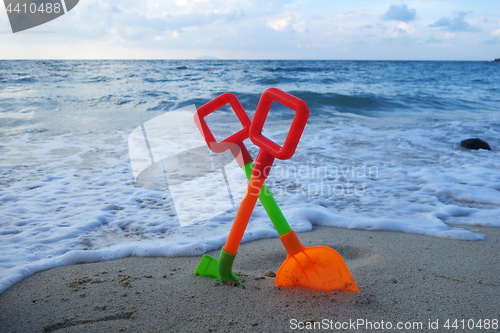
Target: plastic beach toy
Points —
{"points": [[315, 267]]}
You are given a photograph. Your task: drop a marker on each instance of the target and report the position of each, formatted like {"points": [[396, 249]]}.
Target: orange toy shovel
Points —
{"points": [[315, 267]]}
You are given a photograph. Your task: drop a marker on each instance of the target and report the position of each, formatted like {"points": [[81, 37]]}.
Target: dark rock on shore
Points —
{"points": [[475, 143]]}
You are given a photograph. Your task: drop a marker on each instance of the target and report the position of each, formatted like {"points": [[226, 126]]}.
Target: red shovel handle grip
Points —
{"points": [[292, 139], [239, 151]]}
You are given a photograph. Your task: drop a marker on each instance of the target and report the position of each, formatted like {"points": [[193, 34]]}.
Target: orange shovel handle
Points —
{"points": [[243, 215]]}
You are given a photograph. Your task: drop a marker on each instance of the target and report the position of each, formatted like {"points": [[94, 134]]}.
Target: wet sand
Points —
{"points": [[404, 279]]}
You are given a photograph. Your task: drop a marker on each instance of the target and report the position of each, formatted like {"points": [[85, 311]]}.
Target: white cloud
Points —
{"points": [[300, 27], [450, 35], [278, 24], [407, 28], [495, 33]]}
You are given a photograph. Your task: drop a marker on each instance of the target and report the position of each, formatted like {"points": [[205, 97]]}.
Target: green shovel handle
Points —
{"points": [[266, 198]]}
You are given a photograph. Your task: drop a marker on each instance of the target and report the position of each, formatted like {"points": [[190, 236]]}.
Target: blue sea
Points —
{"points": [[381, 151]]}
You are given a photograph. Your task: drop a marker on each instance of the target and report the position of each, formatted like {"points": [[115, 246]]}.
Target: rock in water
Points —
{"points": [[475, 144]]}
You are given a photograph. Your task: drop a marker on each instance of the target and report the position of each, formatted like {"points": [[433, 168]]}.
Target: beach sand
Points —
{"points": [[403, 278]]}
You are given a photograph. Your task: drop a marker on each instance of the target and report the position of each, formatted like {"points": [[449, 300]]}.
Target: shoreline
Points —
{"points": [[402, 278]]}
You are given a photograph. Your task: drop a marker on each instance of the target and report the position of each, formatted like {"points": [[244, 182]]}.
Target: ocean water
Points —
{"points": [[381, 151]]}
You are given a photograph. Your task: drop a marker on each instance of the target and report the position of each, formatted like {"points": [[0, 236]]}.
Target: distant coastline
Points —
{"points": [[207, 58], [497, 59]]}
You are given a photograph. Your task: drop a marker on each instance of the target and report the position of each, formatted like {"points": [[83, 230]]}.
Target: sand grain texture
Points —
{"points": [[402, 277]]}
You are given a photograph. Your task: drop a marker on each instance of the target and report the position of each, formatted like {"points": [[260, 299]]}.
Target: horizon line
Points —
{"points": [[218, 59]]}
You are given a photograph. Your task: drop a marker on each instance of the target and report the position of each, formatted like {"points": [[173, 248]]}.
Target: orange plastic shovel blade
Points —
{"points": [[315, 267]]}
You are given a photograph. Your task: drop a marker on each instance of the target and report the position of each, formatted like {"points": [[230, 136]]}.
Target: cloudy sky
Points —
{"points": [[263, 29]]}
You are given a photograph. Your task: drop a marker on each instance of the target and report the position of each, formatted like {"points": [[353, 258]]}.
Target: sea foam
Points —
{"points": [[72, 198]]}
